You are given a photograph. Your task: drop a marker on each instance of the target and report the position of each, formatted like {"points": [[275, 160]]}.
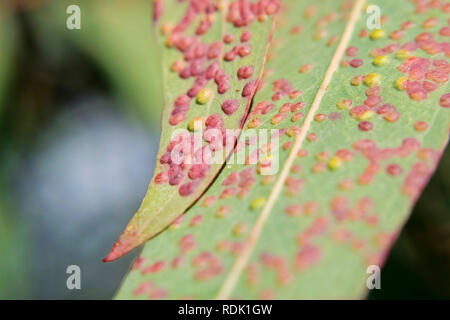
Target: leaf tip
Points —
{"points": [[115, 253], [124, 245]]}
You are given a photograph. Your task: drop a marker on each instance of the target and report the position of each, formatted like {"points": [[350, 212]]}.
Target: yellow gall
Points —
{"points": [[372, 80], [334, 163], [377, 34], [381, 61], [402, 54], [366, 115], [257, 203], [195, 124], [204, 95], [399, 83]]}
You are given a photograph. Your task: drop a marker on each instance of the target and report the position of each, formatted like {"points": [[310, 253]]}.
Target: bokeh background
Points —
{"points": [[79, 131]]}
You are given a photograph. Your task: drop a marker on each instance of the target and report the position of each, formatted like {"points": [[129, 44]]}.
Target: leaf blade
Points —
{"points": [[360, 224]]}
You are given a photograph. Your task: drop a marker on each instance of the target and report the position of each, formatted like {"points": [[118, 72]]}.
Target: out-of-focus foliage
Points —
{"points": [[14, 280], [7, 47], [117, 35]]}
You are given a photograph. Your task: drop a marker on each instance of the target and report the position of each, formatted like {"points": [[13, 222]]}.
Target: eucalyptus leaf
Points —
{"points": [[362, 116]]}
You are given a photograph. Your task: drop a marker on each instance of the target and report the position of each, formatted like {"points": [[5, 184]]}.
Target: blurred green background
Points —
{"points": [[79, 131]]}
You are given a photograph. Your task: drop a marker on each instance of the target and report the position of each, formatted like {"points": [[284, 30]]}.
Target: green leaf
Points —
{"points": [[348, 175], [7, 47], [167, 197]]}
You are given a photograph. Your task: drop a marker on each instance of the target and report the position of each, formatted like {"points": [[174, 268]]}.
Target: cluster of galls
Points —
{"points": [[196, 54], [202, 62], [423, 76]]}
